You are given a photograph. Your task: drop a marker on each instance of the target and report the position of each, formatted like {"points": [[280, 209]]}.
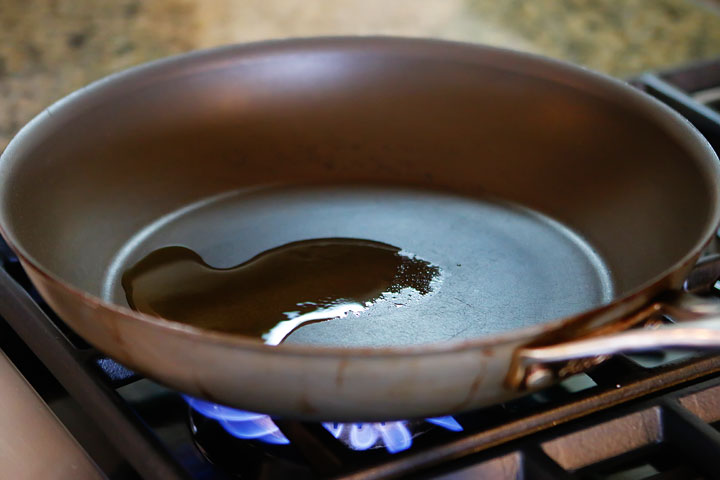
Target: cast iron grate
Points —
{"points": [[657, 438]]}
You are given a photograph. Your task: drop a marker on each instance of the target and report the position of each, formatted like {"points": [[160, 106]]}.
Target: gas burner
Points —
{"points": [[242, 446], [395, 436]]}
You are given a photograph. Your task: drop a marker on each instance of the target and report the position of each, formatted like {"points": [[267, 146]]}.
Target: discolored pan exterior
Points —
{"points": [[619, 170]]}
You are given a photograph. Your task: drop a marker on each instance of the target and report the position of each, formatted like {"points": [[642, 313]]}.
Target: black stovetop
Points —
{"points": [[633, 417]]}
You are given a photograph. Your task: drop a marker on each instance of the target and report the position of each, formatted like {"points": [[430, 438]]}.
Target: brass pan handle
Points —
{"points": [[697, 326]]}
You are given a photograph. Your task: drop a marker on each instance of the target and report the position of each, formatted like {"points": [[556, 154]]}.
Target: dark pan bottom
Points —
{"points": [[503, 266]]}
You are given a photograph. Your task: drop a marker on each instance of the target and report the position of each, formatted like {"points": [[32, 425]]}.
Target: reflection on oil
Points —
{"points": [[279, 290]]}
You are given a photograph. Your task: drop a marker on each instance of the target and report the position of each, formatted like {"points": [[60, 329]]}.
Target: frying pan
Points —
{"points": [[562, 206]]}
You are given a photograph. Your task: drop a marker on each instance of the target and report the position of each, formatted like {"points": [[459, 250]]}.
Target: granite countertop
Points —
{"points": [[52, 47]]}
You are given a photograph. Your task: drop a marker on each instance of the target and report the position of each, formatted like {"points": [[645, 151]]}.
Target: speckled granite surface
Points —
{"points": [[50, 47]]}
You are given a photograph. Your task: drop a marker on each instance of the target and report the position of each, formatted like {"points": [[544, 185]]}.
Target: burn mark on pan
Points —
{"points": [[474, 386], [305, 406], [115, 334], [206, 393], [340, 375]]}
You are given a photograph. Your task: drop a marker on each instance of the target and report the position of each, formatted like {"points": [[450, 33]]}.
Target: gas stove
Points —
{"points": [[633, 417]]}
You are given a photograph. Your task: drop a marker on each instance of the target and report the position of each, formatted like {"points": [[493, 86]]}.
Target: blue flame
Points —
{"points": [[395, 436], [239, 423], [448, 423], [362, 436], [218, 412]]}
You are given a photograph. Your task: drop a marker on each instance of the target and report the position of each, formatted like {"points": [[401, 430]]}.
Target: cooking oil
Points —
{"points": [[279, 290]]}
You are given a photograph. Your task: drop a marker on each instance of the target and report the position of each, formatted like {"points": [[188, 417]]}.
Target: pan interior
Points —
{"points": [[502, 266]]}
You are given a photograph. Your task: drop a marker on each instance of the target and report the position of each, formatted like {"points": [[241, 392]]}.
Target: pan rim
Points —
{"points": [[671, 122]]}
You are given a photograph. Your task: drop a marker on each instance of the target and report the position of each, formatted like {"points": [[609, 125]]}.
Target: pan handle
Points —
{"points": [[696, 325]]}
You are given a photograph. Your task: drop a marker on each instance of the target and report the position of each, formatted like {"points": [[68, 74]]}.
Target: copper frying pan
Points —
{"points": [[562, 205]]}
